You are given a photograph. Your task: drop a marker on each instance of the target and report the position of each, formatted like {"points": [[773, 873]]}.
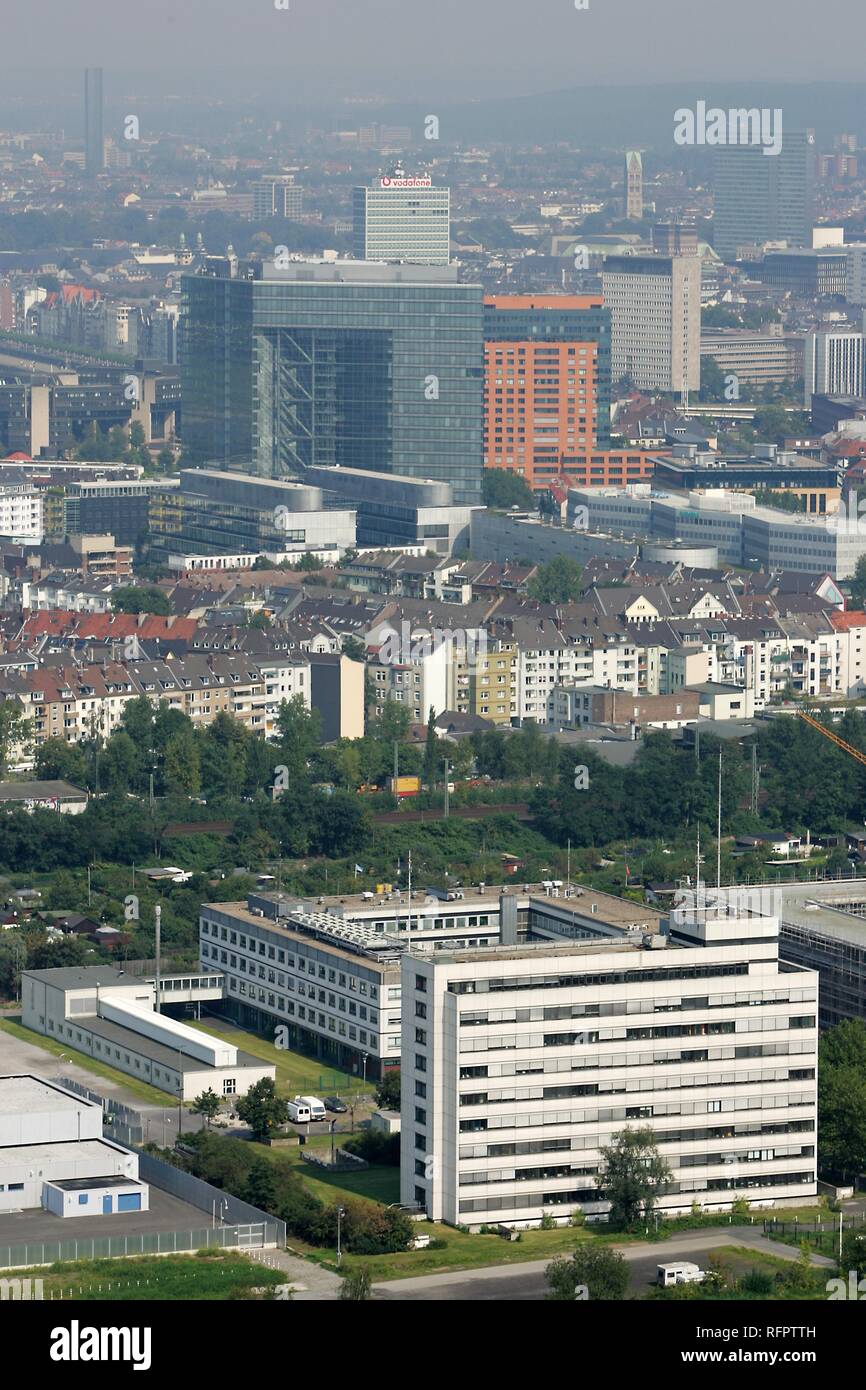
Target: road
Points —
{"points": [[526, 1282]]}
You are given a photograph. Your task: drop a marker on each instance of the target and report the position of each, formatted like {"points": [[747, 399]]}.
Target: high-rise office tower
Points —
{"points": [[94, 147], [402, 218], [633, 186], [834, 364], [277, 196], [675, 239], [547, 381], [335, 363], [655, 306], [761, 197]]}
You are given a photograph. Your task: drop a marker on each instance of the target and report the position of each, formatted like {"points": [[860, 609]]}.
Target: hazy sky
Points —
{"points": [[401, 47]]}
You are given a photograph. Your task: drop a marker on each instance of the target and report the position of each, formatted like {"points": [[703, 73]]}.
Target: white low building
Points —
{"points": [[53, 1155], [112, 1017]]}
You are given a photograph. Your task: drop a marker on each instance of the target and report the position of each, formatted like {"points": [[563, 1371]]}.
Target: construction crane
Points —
{"points": [[834, 738]]}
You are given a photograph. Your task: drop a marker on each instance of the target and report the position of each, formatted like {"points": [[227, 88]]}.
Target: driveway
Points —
{"points": [[526, 1282]]}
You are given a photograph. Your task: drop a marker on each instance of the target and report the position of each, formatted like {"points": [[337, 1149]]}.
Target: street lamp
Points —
{"points": [[341, 1212], [365, 1068]]}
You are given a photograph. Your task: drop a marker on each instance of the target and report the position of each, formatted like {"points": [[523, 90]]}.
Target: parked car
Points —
{"points": [[335, 1105]]}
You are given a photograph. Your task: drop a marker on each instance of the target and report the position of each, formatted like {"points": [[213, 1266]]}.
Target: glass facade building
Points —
{"points": [[351, 364]]}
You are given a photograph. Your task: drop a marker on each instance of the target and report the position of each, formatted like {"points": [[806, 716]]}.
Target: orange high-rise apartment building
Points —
{"points": [[547, 390]]}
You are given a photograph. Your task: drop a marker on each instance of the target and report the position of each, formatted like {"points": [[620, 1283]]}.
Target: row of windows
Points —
{"points": [[589, 1142], [541, 1118], [520, 1201]]}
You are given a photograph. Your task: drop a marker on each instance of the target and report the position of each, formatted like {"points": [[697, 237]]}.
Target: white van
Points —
{"points": [[684, 1273], [299, 1111], [314, 1105]]}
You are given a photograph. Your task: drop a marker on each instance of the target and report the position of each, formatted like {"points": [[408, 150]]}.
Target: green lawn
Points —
{"points": [[296, 1074], [149, 1094], [215, 1275], [376, 1184], [462, 1251], [474, 1251]]}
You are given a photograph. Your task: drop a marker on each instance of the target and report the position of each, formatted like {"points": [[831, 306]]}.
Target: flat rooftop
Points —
{"points": [[132, 1042], [84, 976], [486, 954], [94, 1150], [833, 908], [88, 1184], [25, 1094]]}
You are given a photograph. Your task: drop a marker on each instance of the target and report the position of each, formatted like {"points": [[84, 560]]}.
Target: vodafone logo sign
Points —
{"points": [[387, 182]]}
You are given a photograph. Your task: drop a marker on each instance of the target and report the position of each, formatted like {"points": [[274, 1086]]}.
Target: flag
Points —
{"points": [[627, 871], [359, 869]]}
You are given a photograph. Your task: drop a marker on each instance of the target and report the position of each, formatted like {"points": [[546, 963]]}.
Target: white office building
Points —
{"points": [[834, 365], [655, 305], [520, 1062], [402, 218]]}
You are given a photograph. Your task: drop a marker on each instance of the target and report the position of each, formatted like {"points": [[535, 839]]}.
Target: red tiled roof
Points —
{"points": [[102, 627], [853, 617]]}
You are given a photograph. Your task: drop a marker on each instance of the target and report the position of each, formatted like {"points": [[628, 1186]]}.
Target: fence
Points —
{"points": [[122, 1124], [822, 1236], [242, 1237], [201, 1194]]}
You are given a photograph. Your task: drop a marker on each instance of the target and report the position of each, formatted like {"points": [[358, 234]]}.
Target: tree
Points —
{"points": [[131, 598], [207, 1104], [388, 1090], [354, 648], [857, 585], [432, 752], [842, 1099], [59, 761], [356, 1285], [260, 1188], [633, 1173], [502, 488], [181, 769], [14, 730], [602, 1272], [262, 1109], [299, 733], [556, 582]]}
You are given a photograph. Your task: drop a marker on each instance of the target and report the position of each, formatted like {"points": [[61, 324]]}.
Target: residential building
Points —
{"points": [[547, 381], [655, 307], [276, 195], [337, 692]]}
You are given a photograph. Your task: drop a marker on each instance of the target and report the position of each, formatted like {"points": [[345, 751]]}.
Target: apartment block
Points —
{"points": [[655, 307], [547, 381]]}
